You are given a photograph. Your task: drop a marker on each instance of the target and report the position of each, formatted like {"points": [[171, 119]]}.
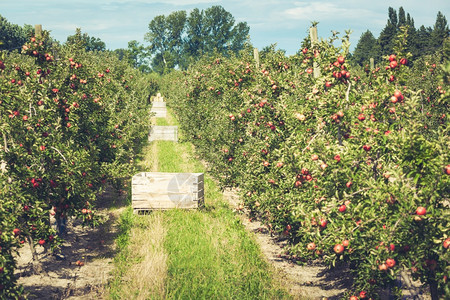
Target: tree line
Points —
{"points": [[420, 41], [177, 40]]}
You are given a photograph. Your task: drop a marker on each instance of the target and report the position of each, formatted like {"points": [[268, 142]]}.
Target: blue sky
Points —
{"points": [[286, 23]]}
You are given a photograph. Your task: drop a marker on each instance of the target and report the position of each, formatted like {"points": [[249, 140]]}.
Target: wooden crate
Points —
{"points": [[159, 109], [163, 133], [155, 190]]}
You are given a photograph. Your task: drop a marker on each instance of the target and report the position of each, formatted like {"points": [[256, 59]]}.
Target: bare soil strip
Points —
{"points": [[82, 268]]}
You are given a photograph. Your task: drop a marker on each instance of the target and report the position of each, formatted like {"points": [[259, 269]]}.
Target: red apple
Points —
{"points": [[390, 262], [311, 246], [393, 64], [382, 267], [338, 248], [447, 169], [398, 95], [421, 211], [367, 147]]}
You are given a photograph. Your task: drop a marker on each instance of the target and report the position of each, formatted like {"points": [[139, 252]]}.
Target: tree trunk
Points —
{"points": [[434, 290]]}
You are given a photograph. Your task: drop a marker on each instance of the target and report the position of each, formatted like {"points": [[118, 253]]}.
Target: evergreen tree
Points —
{"points": [[422, 41], [411, 34], [401, 17], [392, 16], [366, 48], [440, 32], [386, 38], [409, 20]]}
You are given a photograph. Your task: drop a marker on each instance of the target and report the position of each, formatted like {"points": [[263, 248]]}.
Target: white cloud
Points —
{"points": [[324, 10], [283, 21], [170, 2]]}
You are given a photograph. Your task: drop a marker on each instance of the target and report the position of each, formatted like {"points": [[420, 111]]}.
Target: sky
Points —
{"points": [[284, 23]]}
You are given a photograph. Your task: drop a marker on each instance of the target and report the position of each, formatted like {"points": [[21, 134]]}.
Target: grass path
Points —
{"points": [[196, 254]]}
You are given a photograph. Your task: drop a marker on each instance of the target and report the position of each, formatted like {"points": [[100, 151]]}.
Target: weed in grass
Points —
{"points": [[141, 266]]}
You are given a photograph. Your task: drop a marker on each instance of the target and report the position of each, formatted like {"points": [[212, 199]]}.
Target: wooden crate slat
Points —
{"points": [[146, 193], [165, 205], [180, 177], [160, 114], [155, 190], [146, 197], [158, 105], [164, 133], [159, 109]]}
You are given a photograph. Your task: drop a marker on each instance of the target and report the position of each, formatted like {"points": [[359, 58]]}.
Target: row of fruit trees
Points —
{"points": [[71, 121], [352, 166]]}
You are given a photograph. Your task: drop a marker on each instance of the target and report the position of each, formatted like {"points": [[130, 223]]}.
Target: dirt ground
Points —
{"points": [[60, 276]]}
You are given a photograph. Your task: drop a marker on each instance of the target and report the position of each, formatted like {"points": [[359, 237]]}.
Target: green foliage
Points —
{"points": [[68, 126], [342, 159], [12, 36], [85, 41], [366, 48], [136, 55], [422, 41], [178, 39]]}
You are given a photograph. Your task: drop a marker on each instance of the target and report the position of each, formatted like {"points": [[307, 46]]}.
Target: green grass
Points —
{"points": [[121, 260], [211, 255], [162, 122]]}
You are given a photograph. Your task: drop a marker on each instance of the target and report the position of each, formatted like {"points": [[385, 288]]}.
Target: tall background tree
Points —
{"points": [[166, 40], [440, 31], [389, 32], [178, 39], [137, 56], [366, 48], [88, 42], [13, 36], [422, 41]]}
